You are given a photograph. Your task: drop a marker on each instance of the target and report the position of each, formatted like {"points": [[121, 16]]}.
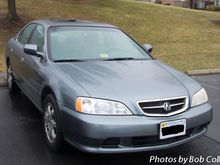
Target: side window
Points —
{"points": [[37, 37], [25, 34]]}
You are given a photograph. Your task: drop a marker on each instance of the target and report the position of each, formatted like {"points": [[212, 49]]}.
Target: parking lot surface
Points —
{"points": [[22, 143]]}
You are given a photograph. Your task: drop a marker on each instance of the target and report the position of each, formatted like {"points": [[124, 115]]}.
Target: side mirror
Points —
{"points": [[32, 50], [148, 47]]}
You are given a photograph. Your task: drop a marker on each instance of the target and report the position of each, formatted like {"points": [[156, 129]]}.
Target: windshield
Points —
{"points": [[89, 43]]}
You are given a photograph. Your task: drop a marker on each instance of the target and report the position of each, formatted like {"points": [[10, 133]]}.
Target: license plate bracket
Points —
{"points": [[169, 129]]}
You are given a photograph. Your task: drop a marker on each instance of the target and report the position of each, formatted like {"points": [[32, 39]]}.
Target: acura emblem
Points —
{"points": [[167, 106]]}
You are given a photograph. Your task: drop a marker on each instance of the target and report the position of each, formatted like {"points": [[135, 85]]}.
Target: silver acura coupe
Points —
{"points": [[102, 92]]}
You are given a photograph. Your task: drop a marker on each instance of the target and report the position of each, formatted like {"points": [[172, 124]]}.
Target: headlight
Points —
{"points": [[199, 97], [101, 107]]}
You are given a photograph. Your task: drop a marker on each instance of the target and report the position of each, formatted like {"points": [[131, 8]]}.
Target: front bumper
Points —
{"points": [[118, 134]]}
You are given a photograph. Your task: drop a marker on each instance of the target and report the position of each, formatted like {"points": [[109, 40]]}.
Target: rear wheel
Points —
{"points": [[51, 124], [12, 86]]}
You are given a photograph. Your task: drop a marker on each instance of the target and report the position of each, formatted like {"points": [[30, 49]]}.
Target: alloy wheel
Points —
{"points": [[50, 123], [9, 76]]}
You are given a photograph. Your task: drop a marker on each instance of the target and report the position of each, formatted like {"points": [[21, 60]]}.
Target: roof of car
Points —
{"points": [[71, 22]]}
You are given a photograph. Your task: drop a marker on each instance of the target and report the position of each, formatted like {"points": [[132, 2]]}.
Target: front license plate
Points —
{"points": [[171, 129]]}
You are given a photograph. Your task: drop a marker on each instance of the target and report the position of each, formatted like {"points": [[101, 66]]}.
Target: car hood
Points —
{"points": [[124, 81]]}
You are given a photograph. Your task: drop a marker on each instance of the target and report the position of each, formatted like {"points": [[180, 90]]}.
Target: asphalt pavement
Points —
{"points": [[22, 143]]}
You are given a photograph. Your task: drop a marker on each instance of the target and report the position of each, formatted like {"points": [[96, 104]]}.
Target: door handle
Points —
{"points": [[22, 59]]}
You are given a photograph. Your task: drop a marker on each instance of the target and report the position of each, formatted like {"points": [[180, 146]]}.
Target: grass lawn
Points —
{"points": [[186, 39]]}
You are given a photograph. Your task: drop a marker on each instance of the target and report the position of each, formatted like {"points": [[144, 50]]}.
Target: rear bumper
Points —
{"points": [[118, 134]]}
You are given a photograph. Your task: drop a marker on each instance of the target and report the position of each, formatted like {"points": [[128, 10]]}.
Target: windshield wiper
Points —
{"points": [[105, 59], [69, 60], [119, 59]]}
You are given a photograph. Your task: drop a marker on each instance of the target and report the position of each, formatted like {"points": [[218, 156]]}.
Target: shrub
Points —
{"points": [[213, 8]]}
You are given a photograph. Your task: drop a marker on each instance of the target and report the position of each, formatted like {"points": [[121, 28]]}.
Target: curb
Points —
{"points": [[3, 82], [3, 79], [202, 72]]}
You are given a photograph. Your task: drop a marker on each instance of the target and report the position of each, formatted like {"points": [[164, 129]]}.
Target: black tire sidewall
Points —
{"points": [[14, 89], [56, 146]]}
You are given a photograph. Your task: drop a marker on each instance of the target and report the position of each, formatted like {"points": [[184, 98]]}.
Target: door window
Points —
{"points": [[25, 34], [37, 37]]}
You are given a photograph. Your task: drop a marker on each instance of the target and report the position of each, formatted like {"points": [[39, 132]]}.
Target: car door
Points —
{"points": [[16, 53], [32, 65]]}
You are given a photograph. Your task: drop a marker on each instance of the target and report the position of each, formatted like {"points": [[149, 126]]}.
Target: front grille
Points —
{"points": [[164, 107]]}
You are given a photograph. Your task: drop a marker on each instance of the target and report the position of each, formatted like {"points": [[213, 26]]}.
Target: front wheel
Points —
{"points": [[12, 86], [51, 124]]}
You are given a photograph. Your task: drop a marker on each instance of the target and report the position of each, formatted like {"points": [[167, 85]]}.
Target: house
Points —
{"points": [[217, 2], [193, 4]]}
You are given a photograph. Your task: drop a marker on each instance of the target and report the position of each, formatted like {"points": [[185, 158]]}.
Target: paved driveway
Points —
{"points": [[212, 85], [21, 140]]}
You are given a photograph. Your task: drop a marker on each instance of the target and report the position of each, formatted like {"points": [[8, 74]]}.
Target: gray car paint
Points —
{"points": [[124, 81], [89, 131], [127, 81]]}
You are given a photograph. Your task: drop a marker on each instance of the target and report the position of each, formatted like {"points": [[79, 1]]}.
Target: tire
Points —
{"points": [[52, 125], [12, 86]]}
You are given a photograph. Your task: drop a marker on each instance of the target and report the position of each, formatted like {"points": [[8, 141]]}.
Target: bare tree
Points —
{"points": [[12, 15]]}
